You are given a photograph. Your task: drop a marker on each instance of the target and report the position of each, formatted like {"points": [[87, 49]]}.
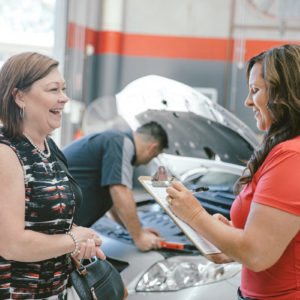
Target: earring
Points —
{"points": [[22, 112]]}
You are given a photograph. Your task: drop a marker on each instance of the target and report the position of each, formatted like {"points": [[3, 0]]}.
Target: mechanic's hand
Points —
{"points": [[89, 243], [183, 203], [148, 239]]}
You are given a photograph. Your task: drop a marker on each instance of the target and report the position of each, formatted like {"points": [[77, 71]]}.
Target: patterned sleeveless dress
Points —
{"points": [[49, 208]]}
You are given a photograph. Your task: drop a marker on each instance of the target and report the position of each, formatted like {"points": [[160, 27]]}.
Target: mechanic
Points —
{"points": [[103, 165]]}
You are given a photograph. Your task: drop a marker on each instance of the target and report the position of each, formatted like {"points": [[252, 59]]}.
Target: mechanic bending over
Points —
{"points": [[264, 234], [102, 164]]}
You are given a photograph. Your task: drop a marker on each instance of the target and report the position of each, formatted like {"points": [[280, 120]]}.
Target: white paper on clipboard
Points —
{"points": [[160, 194]]}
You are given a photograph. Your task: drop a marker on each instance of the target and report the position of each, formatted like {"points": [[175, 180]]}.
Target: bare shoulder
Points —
{"points": [[6, 151], [9, 161]]}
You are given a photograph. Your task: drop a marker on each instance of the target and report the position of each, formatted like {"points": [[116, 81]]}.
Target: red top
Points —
{"points": [[276, 183]]}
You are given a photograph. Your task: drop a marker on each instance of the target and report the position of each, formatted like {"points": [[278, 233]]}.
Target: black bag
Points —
{"points": [[97, 279]]}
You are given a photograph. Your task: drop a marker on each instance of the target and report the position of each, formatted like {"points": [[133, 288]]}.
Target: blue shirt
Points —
{"points": [[97, 161]]}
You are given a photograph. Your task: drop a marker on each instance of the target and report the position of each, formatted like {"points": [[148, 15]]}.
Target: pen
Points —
{"points": [[199, 189]]}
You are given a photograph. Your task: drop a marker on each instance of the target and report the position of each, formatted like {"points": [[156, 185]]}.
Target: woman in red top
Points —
{"points": [[264, 233]]}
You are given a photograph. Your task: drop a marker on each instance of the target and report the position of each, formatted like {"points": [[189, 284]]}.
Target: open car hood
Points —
{"points": [[196, 126]]}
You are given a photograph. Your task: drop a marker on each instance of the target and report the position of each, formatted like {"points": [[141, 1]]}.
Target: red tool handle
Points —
{"points": [[172, 245]]}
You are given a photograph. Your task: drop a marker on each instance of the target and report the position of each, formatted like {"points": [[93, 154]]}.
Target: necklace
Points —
{"points": [[42, 153]]}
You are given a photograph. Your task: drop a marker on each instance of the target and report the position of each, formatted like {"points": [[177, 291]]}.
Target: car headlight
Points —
{"points": [[182, 272]]}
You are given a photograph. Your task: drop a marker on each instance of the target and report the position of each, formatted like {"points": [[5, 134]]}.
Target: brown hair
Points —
{"points": [[281, 72], [20, 72]]}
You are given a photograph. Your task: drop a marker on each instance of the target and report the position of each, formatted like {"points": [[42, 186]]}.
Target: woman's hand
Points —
{"points": [[187, 207], [222, 219], [89, 243], [220, 258], [183, 203]]}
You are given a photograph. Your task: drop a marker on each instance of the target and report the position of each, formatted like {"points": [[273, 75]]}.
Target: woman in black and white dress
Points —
{"points": [[37, 199]]}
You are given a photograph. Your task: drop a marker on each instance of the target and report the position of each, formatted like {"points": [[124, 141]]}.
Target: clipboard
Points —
{"points": [[159, 194]]}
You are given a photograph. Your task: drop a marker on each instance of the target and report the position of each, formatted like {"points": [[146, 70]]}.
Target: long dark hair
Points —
{"points": [[281, 72]]}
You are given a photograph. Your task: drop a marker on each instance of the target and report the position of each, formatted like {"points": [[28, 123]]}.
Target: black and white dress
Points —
{"points": [[49, 208]]}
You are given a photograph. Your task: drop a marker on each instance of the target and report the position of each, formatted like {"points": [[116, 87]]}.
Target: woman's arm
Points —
{"points": [[267, 233], [220, 258], [19, 244]]}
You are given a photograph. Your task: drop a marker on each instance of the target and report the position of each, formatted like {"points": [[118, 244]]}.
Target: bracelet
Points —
{"points": [[76, 250]]}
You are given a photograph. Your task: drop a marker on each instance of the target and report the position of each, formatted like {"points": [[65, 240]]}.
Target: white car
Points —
{"points": [[207, 146]]}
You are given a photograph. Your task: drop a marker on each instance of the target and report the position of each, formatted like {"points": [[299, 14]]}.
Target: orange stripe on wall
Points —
{"points": [[254, 47], [160, 46], [146, 45], [174, 47], [103, 41]]}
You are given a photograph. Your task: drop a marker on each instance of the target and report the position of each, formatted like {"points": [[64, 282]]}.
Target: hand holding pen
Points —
{"points": [[194, 191], [182, 202]]}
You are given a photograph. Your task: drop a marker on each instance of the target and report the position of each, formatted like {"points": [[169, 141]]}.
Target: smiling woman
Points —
{"points": [[265, 231], [37, 198], [43, 103], [258, 98]]}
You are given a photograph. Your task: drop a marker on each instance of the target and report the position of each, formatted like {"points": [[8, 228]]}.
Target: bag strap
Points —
{"points": [[80, 268]]}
